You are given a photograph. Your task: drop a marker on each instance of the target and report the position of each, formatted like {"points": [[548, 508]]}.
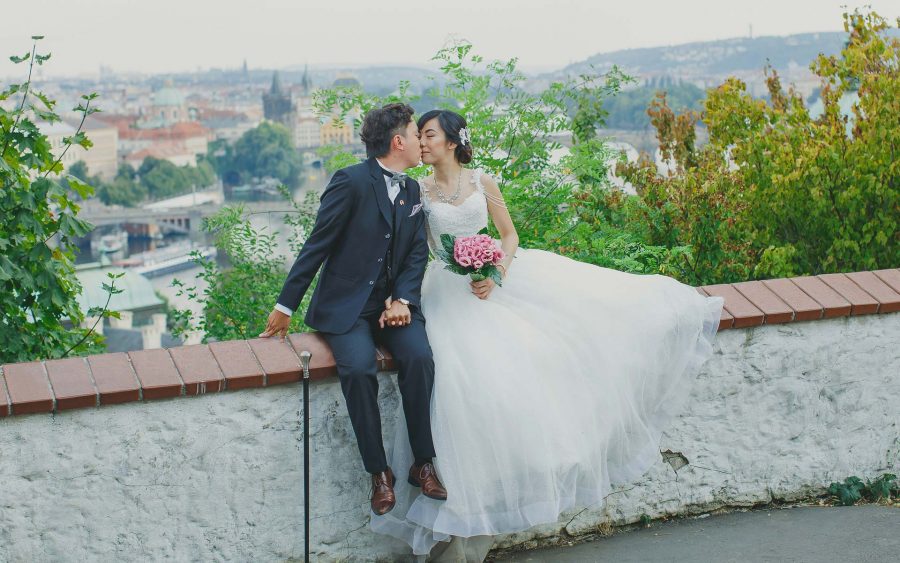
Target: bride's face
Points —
{"points": [[435, 146]]}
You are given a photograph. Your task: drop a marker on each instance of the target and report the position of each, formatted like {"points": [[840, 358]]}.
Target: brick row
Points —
{"points": [[807, 298], [57, 385], [104, 379]]}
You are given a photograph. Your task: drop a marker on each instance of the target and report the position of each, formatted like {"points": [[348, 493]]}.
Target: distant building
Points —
{"points": [[293, 107], [277, 104], [179, 144], [346, 80], [167, 108], [225, 123], [336, 133], [306, 131], [138, 296], [172, 151], [101, 159]]}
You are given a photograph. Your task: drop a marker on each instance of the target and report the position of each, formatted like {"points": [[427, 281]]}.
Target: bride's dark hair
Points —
{"points": [[451, 122]]}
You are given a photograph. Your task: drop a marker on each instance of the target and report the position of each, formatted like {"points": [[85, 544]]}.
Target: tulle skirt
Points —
{"points": [[557, 386]]}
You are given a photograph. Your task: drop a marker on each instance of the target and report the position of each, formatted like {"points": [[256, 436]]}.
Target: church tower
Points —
{"points": [[306, 83], [277, 102]]}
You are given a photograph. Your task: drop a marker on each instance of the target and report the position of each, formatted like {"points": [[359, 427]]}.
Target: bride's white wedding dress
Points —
{"points": [[546, 393]]}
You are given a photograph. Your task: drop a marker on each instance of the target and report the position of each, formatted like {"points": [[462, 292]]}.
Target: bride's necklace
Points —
{"points": [[440, 192]]}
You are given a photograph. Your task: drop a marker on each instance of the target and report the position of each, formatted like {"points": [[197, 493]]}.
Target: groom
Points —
{"points": [[370, 236]]}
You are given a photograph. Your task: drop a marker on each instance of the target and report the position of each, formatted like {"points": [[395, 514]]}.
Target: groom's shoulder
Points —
{"points": [[349, 177], [358, 170]]}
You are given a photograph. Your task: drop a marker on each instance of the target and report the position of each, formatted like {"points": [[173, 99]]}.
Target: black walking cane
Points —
{"points": [[304, 360]]}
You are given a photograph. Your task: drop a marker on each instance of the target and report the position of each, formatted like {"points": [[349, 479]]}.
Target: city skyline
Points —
{"points": [[544, 34]]}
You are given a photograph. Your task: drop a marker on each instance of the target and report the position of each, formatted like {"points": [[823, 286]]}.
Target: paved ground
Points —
{"points": [[815, 534]]}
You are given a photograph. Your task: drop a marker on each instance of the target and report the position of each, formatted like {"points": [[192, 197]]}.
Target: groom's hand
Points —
{"points": [[278, 323], [396, 315]]}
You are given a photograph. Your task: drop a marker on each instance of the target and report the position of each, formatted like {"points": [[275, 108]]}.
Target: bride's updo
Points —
{"points": [[452, 123]]}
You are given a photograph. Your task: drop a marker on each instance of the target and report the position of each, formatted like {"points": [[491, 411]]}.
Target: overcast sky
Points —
{"points": [[183, 35]]}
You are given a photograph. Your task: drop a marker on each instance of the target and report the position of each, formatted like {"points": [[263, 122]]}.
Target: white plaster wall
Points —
{"points": [[779, 412]]}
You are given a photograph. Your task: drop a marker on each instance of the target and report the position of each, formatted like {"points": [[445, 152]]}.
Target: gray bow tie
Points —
{"points": [[399, 178]]}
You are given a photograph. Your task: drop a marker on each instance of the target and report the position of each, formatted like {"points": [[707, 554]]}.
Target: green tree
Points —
{"points": [[516, 133], [777, 191], [266, 150], [162, 179], [80, 170], [627, 110], [237, 300], [38, 286]]}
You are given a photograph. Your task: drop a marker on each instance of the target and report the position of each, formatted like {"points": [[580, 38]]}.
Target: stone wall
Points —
{"points": [[102, 458], [780, 411]]}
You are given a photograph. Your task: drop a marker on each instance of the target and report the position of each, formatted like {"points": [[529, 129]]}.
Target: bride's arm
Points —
{"points": [[509, 238]]}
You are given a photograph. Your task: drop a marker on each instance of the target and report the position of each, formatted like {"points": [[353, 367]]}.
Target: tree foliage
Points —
{"points": [[628, 109], [778, 191], [550, 190], [38, 286], [237, 300], [266, 150], [155, 179]]}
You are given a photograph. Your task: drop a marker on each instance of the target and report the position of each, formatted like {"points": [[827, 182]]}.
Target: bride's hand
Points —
{"points": [[482, 289]]}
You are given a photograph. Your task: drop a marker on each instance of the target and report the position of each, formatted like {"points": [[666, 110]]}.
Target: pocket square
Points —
{"points": [[416, 208]]}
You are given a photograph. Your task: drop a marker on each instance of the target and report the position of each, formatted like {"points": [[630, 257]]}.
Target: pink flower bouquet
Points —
{"points": [[477, 256]]}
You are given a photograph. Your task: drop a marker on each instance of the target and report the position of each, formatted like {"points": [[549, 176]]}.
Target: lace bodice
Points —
{"points": [[460, 219]]}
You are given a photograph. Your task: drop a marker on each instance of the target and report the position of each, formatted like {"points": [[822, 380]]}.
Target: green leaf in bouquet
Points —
{"points": [[442, 254], [483, 231], [447, 241], [456, 268], [494, 273]]}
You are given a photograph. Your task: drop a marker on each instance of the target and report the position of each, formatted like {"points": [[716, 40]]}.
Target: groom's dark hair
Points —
{"points": [[381, 124]]}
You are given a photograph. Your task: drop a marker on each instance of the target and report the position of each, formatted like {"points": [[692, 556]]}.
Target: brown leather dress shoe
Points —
{"points": [[425, 477], [383, 498]]}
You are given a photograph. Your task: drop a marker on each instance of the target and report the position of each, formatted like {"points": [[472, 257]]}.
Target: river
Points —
{"points": [[263, 222]]}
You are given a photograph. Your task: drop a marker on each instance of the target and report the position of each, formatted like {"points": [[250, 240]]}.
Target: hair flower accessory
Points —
{"points": [[464, 136]]}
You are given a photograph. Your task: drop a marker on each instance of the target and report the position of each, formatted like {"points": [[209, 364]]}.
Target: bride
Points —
{"points": [[547, 390]]}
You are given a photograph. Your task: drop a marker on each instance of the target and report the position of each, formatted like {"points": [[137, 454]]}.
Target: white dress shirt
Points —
{"points": [[392, 190], [392, 193]]}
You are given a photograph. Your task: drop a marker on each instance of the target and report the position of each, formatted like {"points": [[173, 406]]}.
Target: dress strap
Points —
{"points": [[476, 179], [477, 174], [424, 196]]}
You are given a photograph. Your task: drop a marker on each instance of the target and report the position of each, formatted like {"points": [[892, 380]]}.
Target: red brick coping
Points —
{"points": [[55, 385]]}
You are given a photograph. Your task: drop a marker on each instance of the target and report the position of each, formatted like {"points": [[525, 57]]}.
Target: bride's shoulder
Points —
{"points": [[486, 184], [483, 181], [424, 182], [480, 179]]}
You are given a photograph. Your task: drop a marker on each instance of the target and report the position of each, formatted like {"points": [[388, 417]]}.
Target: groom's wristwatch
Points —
{"points": [[404, 301]]}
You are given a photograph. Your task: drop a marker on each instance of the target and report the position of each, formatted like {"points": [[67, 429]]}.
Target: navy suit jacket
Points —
{"points": [[350, 241]]}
